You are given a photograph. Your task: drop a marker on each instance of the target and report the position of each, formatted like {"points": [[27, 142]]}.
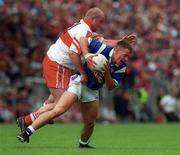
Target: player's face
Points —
{"points": [[121, 55]]}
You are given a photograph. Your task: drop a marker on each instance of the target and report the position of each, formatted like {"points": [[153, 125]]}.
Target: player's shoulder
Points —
{"points": [[93, 40], [79, 29], [95, 44]]}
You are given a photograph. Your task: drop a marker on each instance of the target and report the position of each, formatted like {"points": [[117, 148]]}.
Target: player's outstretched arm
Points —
{"points": [[128, 38], [84, 45]]}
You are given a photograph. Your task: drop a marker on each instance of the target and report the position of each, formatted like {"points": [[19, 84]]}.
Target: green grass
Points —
{"points": [[117, 139]]}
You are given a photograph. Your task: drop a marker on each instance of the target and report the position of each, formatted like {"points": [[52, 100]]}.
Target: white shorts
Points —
{"points": [[82, 91]]}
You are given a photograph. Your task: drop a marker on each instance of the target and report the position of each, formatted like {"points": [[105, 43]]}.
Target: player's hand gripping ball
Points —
{"points": [[100, 61]]}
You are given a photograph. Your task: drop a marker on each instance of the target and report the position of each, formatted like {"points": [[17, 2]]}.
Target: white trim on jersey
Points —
{"points": [[57, 79], [116, 83], [122, 70], [62, 81], [101, 48], [89, 40], [110, 56]]}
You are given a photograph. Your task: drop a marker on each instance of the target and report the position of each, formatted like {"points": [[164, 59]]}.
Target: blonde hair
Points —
{"points": [[124, 44]]}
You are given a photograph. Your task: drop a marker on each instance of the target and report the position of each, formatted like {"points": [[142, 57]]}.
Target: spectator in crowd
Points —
{"points": [[169, 106], [144, 111], [108, 114], [6, 115], [122, 106]]}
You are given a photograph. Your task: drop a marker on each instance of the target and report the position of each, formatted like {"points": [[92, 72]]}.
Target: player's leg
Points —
{"points": [[57, 79], [89, 112], [24, 121], [64, 103], [49, 104]]}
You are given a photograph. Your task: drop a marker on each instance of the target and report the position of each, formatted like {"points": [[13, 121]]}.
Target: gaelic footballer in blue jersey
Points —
{"points": [[117, 58], [88, 94]]}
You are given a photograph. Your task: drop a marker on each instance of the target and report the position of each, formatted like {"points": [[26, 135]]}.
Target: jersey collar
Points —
{"points": [[87, 23], [110, 56]]}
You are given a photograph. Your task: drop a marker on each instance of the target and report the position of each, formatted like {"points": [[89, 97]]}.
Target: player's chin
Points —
{"points": [[119, 62], [122, 62]]}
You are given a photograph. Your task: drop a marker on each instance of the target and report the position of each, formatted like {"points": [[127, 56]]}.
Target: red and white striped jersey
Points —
{"points": [[69, 41]]}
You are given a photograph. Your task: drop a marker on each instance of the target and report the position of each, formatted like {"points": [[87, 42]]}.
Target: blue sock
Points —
{"points": [[29, 130]]}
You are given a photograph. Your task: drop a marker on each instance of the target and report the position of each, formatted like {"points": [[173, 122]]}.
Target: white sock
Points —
{"points": [[84, 143], [33, 117], [31, 128]]}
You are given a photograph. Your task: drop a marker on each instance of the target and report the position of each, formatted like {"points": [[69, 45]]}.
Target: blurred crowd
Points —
{"points": [[149, 92]]}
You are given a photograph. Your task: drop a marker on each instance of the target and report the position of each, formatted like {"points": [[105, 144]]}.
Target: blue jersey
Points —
{"points": [[117, 71]]}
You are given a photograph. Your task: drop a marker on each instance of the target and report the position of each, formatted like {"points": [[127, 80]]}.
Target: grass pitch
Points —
{"points": [[116, 139]]}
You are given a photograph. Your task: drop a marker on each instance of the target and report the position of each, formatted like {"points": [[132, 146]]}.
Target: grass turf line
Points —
{"points": [[116, 139]]}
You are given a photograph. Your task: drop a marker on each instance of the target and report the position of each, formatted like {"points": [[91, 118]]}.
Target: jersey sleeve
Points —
{"points": [[75, 45], [118, 76], [96, 46]]}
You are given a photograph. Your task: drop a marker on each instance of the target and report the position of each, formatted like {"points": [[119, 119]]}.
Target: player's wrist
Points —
{"points": [[88, 55]]}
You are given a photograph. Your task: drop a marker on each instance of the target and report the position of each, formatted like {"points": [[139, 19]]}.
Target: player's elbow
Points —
{"points": [[72, 53]]}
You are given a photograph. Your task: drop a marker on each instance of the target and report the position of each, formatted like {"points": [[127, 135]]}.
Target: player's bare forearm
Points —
{"points": [[109, 81], [84, 45], [132, 38], [110, 42], [76, 60], [110, 84]]}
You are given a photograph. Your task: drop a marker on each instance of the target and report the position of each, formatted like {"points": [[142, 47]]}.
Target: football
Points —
{"points": [[100, 61]]}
